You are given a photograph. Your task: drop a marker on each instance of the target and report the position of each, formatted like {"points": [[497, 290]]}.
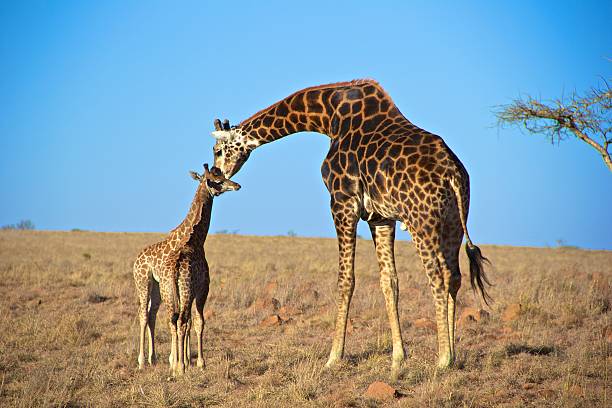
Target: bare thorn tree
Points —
{"points": [[585, 117]]}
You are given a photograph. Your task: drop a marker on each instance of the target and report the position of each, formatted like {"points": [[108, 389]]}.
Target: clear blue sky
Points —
{"points": [[106, 105]]}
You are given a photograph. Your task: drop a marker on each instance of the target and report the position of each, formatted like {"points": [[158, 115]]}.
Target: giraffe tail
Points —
{"points": [[478, 278]]}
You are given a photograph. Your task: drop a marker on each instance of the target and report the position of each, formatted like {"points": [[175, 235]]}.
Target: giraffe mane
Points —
{"points": [[362, 81]]}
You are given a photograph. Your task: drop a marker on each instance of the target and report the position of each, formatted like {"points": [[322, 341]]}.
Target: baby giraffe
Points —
{"points": [[176, 270]]}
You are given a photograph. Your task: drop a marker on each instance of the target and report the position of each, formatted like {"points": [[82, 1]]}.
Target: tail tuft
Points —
{"points": [[477, 273]]}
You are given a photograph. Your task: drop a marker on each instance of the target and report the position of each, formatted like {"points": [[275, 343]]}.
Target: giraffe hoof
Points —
{"points": [[141, 362], [445, 362], [332, 362]]}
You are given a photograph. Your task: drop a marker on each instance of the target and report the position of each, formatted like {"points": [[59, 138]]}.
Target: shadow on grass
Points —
{"points": [[514, 349], [356, 359]]}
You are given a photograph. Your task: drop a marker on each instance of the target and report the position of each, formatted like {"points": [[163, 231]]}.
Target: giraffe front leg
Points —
{"points": [[384, 239], [346, 223]]}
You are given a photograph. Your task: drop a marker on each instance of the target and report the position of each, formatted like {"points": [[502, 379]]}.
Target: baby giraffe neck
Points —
{"points": [[184, 231]]}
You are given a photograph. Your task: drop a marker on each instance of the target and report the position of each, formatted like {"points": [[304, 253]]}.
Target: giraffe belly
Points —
{"points": [[369, 212]]}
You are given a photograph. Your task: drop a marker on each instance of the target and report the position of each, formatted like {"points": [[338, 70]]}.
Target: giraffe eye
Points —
{"points": [[218, 153]]}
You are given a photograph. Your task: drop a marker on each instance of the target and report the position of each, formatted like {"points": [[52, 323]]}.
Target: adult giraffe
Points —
{"points": [[380, 168]]}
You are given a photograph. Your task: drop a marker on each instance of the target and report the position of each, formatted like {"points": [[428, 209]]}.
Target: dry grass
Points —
{"points": [[68, 333]]}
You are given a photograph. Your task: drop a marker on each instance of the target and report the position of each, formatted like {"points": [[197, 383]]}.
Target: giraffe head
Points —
{"points": [[232, 148], [215, 181]]}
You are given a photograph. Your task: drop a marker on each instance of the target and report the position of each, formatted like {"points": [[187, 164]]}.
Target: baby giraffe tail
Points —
{"points": [[477, 260]]}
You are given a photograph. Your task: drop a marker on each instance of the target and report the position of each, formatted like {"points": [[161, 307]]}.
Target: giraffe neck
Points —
{"points": [[186, 229], [333, 110], [200, 230]]}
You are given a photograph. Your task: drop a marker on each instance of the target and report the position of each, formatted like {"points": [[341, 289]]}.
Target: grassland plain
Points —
{"points": [[68, 331]]}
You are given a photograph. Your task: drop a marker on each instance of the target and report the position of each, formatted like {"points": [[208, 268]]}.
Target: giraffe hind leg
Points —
{"points": [[451, 284], [183, 326], [165, 282], [451, 246], [199, 329], [201, 294], [438, 274], [454, 285]]}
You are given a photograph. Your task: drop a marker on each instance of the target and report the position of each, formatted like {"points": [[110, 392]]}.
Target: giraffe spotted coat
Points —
{"points": [[380, 168], [175, 271]]}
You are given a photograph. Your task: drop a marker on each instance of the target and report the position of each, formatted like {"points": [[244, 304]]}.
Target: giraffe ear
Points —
{"points": [[195, 176]]}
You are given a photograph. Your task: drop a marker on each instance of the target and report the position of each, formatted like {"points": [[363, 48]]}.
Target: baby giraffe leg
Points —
{"points": [[142, 314], [181, 330], [188, 344], [199, 328], [153, 309], [142, 286], [173, 358]]}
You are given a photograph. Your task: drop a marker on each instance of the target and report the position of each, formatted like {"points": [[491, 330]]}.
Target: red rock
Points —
{"points": [[511, 313], [507, 332], [471, 314], [575, 390], [208, 313], [381, 391], [424, 323], [607, 333], [271, 287], [272, 320], [287, 311], [266, 303], [529, 385], [547, 393], [349, 326]]}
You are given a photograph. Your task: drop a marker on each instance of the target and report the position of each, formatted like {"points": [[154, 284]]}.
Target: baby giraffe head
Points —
{"points": [[216, 183]]}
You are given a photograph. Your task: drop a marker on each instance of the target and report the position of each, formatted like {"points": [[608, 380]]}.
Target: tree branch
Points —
{"points": [[585, 117]]}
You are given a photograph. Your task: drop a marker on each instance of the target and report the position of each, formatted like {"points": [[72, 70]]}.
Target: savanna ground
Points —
{"points": [[68, 331]]}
